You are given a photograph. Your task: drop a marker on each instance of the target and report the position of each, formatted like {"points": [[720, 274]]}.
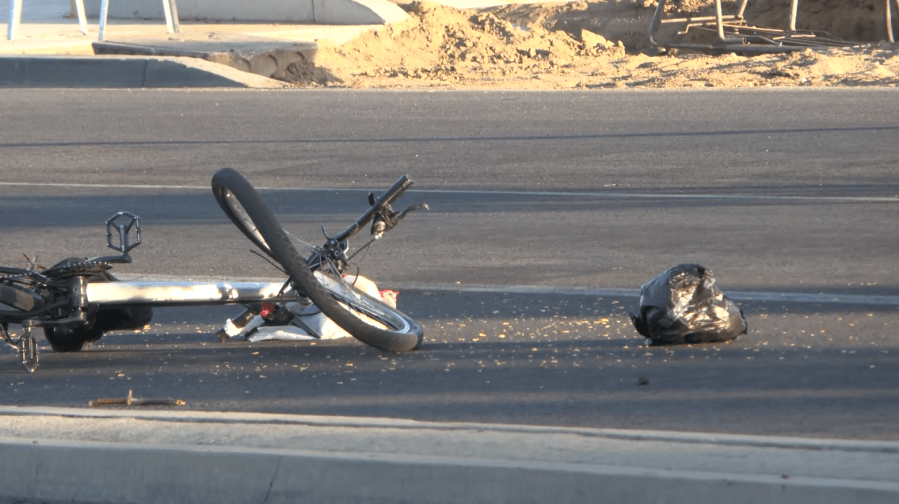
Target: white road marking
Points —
{"points": [[101, 186], [627, 195], [559, 194], [780, 297]]}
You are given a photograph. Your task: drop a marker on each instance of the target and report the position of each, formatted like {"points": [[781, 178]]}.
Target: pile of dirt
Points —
{"points": [[599, 44]]}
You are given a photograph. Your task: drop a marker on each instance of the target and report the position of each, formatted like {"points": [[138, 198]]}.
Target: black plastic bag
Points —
{"points": [[683, 305]]}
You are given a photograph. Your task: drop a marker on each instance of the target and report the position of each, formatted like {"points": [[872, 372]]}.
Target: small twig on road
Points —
{"points": [[131, 401]]}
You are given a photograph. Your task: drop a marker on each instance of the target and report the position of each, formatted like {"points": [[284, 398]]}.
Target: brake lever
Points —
{"points": [[412, 208], [387, 219]]}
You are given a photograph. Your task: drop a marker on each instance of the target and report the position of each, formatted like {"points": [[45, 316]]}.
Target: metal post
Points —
{"points": [[104, 11], [889, 15], [166, 8], [15, 17], [177, 24], [82, 19], [720, 20], [793, 11], [742, 9], [897, 10], [657, 21]]}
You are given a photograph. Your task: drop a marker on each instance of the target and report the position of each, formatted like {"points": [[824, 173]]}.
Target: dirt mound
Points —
{"points": [[445, 45], [596, 44]]}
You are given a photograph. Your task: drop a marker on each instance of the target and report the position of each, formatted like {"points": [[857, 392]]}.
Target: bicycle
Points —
{"points": [[77, 301]]}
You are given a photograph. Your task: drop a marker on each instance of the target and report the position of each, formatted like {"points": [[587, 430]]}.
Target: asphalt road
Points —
{"points": [[548, 211]]}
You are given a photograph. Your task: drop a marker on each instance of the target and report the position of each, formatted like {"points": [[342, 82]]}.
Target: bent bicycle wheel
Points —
{"points": [[369, 320]]}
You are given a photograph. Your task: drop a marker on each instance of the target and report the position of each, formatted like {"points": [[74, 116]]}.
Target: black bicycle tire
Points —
{"points": [[277, 244], [68, 339], [217, 186]]}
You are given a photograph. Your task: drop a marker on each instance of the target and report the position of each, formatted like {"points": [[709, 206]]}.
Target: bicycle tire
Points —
{"points": [[72, 339], [340, 301], [103, 320]]}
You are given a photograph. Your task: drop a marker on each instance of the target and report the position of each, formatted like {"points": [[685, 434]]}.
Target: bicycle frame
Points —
{"points": [[186, 293]]}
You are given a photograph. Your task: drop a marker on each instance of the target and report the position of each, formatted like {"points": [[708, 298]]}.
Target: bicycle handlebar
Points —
{"points": [[391, 195]]}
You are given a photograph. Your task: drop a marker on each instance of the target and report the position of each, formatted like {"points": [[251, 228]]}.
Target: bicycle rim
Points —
{"points": [[363, 305]]}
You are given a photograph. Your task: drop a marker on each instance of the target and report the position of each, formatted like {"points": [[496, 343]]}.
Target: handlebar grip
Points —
{"points": [[389, 196], [395, 191]]}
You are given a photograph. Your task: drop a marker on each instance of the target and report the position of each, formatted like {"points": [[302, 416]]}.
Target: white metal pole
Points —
{"points": [[82, 19], [177, 24], [15, 16], [168, 15], [793, 12], [104, 10]]}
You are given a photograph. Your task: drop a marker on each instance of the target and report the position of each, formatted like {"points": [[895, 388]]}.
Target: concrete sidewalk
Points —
{"points": [[142, 53], [130, 455], [62, 36]]}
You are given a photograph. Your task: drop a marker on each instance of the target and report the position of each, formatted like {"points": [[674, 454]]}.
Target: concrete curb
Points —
{"points": [[212, 417], [123, 72], [104, 472], [266, 60], [119, 455]]}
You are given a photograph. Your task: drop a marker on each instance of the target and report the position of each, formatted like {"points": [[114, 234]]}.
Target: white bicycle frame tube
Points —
{"points": [[186, 293]]}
